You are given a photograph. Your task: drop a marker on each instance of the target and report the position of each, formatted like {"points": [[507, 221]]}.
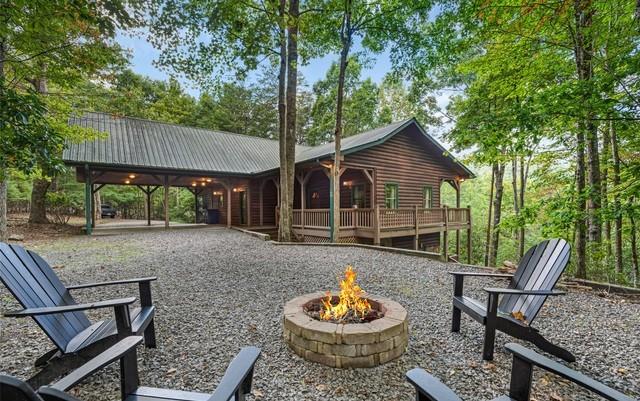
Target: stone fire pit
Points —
{"points": [[351, 345]]}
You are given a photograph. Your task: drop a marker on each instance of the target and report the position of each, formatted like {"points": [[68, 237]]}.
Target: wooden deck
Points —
{"points": [[379, 223]]}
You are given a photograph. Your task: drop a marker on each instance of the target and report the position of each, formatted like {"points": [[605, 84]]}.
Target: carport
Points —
{"points": [[233, 173]]}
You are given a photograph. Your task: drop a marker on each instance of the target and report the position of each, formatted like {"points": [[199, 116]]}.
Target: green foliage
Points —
{"points": [[27, 140], [61, 205]]}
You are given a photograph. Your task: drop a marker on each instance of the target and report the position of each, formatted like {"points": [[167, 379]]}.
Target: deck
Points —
{"points": [[380, 223]]}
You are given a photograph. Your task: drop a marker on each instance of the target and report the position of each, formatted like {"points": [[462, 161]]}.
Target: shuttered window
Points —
{"points": [[427, 197], [391, 196]]}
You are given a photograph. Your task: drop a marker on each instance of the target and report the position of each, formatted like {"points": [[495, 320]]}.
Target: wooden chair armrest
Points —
{"points": [[533, 358], [428, 386], [116, 282], [112, 354], [238, 376], [51, 394], [478, 274], [71, 308], [514, 291]]}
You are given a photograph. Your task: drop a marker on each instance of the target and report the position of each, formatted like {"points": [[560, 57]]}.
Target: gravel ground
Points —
{"points": [[219, 290]]}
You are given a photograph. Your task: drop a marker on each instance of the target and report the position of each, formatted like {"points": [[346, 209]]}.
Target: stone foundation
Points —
{"points": [[353, 345]]}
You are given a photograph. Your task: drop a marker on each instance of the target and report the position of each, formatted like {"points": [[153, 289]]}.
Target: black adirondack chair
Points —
{"points": [[235, 384], [537, 274], [428, 388], [39, 290]]}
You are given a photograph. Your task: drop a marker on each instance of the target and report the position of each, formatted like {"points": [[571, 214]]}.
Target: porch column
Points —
{"points": [[457, 231], [249, 204], [88, 199], [469, 236], [228, 205], [445, 234], [148, 193], [261, 202], [166, 201], [195, 195]]}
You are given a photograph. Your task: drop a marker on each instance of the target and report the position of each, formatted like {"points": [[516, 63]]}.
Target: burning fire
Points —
{"points": [[350, 299]]}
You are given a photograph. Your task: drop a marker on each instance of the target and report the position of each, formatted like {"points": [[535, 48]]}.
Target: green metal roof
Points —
{"points": [[134, 142]]}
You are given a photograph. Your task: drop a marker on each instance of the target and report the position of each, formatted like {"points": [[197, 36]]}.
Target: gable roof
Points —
{"points": [[134, 142]]}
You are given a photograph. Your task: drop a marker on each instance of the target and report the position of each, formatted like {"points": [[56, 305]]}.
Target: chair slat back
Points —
{"points": [[35, 285], [539, 269]]}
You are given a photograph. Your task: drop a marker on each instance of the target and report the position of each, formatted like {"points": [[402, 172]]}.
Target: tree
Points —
{"points": [[56, 43], [204, 39], [27, 140]]}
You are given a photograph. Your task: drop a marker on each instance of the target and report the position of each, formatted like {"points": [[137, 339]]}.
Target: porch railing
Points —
{"points": [[388, 219]]}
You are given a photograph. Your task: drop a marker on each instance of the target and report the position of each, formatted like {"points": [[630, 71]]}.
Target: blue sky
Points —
{"points": [[143, 54]]}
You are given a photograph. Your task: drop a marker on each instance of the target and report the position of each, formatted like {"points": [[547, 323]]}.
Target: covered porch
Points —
{"points": [[235, 200]]}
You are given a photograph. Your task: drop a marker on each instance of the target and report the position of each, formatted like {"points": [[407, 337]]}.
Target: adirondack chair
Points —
{"points": [[234, 385], [428, 388], [39, 290], [536, 275]]}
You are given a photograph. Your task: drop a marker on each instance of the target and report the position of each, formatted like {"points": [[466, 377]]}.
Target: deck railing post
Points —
{"points": [[376, 225], [469, 235], [416, 239], [445, 234]]}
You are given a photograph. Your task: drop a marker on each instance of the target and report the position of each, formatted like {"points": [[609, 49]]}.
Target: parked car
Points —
{"points": [[108, 211]]}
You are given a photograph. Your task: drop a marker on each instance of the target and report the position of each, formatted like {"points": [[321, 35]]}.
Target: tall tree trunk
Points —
{"points": [[497, 214], [516, 200], [38, 210], [4, 181], [617, 210], [606, 139], [583, 48], [292, 81], [524, 176], [487, 247], [4, 172], [581, 228], [286, 215], [634, 243], [345, 37]]}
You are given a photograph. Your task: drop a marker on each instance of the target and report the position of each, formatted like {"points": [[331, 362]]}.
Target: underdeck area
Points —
{"points": [[219, 290]]}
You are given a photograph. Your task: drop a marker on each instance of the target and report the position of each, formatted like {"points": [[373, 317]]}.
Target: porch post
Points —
{"points": [[248, 205], [469, 236], [93, 205], [302, 180], [195, 196], [228, 205], [88, 199], [261, 205], [376, 225], [148, 193], [458, 231], [445, 234], [416, 239], [166, 201]]}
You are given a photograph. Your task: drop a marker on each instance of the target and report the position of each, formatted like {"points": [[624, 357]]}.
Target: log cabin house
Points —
{"points": [[390, 179]]}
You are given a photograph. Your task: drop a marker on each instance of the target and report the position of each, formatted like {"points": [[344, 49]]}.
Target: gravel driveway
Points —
{"points": [[219, 290]]}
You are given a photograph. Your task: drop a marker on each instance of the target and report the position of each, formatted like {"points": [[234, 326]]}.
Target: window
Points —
{"points": [[427, 197], [391, 196], [357, 195]]}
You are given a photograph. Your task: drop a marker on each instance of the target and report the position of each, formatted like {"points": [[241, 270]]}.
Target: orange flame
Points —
{"points": [[350, 299]]}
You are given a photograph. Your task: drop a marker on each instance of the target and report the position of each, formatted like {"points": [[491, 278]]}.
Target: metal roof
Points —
{"points": [[134, 142]]}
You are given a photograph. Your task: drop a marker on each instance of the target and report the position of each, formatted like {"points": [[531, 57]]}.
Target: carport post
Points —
{"points": [[88, 199], [148, 192], [229, 205], [166, 201]]}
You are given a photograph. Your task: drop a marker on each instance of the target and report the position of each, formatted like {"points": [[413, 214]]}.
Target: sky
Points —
{"points": [[143, 54]]}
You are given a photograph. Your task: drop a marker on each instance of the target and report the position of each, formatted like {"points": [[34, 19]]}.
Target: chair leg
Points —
{"points": [[455, 320], [150, 335], [46, 357], [489, 342], [538, 340]]}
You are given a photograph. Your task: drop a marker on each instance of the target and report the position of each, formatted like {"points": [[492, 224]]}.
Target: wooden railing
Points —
{"points": [[389, 219]]}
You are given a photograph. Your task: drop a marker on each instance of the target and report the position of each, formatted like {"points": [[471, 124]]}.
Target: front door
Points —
{"points": [[243, 207]]}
